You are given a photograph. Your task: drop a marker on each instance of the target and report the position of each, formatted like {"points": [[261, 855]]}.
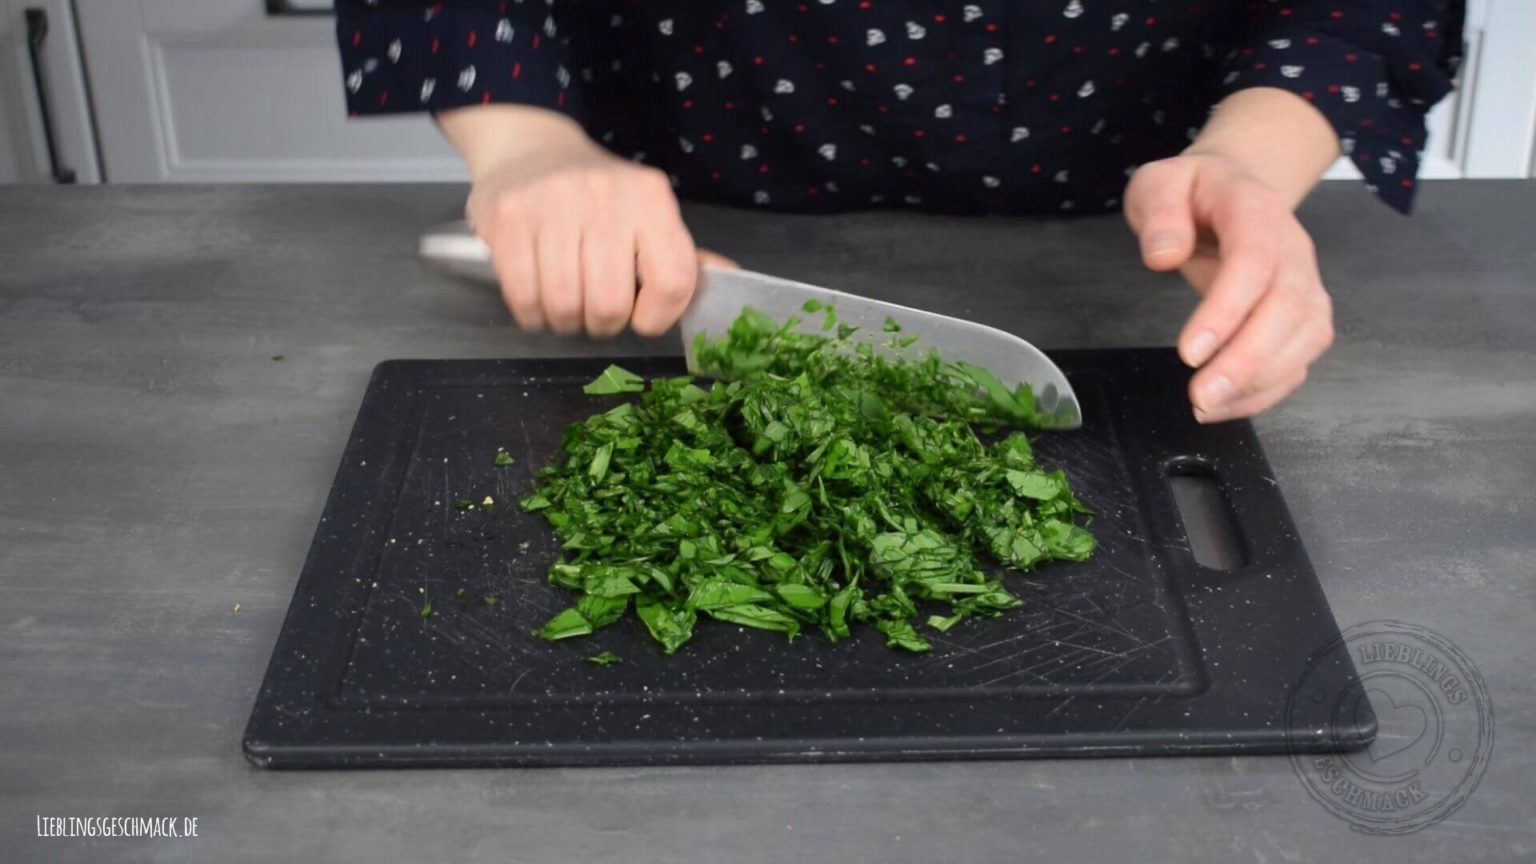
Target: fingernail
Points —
{"points": [[1162, 244], [1216, 393], [1200, 348]]}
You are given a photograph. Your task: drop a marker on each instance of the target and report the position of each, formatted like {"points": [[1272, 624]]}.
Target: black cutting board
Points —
{"points": [[1138, 651]]}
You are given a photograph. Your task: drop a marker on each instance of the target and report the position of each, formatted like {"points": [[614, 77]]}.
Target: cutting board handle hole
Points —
{"points": [[1207, 515]]}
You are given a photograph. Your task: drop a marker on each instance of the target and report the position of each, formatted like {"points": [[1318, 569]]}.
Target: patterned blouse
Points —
{"points": [[988, 106]]}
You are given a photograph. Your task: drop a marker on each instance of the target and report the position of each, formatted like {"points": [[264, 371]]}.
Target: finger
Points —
{"points": [[1256, 403], [1289, 329], [669, 271], [512, 255], [1246, 229], [608, 277], [716, 260], [558, 247], [1157, 207]]}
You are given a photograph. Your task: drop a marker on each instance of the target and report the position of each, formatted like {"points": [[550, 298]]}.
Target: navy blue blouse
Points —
{"points": [[994, 105]]}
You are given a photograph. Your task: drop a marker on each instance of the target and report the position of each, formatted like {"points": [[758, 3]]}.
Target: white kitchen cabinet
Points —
{"points": [[223, 91], [43, 96]]}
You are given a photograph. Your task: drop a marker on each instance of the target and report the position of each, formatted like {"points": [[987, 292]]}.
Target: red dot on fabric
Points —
{"points": [[1336, 14], [1050, 39], [1285, 13], [707, 137], [1030, 84], [865, 5], [803, 8], [910, 61], [793, 38], [472, 39], [1066, 130], [939, 19], [1151, 22], [1307, 95], [714, 175], [698, 49], [863, 163], [357, 38], [813, 191], [1350, 58], [535, 43], [1312, 40], [730, 106], [435, 45], [1366, 123], [517, 71], [918, 133], [757, 61], [883, 109], [485, 98], [762, 130], [832, 40], [1114, 52], [383, 98], [1407, 142], [831, 101], [960, 138], [1395, 16], [991, 27], [1077, 49], [720, 25], [997, 109], [1333, 89], [1035, 168], [1055, 97], [762, 169], [799, 128], [1414, 67], [1407, 184], [869, 67], [687, 103], [1260, 66], [821, 67], [959, 79]]}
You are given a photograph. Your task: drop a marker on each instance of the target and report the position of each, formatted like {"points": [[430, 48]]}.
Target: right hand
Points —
{"points": [[573, 229]]}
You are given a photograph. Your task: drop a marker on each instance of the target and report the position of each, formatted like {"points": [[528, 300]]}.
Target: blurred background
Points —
{"points": [[237, 91]]}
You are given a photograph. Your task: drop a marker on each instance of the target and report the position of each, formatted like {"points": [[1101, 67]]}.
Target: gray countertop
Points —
{"points": [[161, 477]]}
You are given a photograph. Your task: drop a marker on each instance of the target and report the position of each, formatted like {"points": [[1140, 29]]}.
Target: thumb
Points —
{"points": [[1157, 207], [715, 259]]}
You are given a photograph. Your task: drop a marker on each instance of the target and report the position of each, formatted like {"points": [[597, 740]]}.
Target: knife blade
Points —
{"points": [[723, 294]]}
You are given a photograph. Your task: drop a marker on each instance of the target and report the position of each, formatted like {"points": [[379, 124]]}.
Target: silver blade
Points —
{"points": [[723, 294]]}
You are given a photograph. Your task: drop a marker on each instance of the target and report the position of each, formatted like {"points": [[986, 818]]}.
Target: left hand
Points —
{"points": [[1265, 316]]}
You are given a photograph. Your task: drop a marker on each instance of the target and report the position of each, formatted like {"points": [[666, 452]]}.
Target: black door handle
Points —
{"points": [[286, 7], [37, 31]]}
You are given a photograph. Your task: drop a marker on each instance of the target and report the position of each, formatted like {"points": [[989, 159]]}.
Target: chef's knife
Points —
{"points": [[722, 294]]}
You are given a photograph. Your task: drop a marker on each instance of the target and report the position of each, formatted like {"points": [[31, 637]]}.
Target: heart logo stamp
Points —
{"points": [[1433, 722]]}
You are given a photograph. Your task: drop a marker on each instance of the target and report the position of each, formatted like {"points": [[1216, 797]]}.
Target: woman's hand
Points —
{"points": [[1265, 316], [572, 228]]}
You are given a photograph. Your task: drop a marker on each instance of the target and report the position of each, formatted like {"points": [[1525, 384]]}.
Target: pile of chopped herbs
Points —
{"points": [[820, 485]]}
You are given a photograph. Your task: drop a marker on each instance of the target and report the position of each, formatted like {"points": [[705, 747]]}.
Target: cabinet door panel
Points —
{"points": [[219, 91]]}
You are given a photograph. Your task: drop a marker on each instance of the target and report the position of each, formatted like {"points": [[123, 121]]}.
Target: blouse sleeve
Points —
{"points": [[1373, 67], [402, 56]]}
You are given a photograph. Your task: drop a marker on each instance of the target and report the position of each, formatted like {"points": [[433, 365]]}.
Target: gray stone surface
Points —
{"points": [[157, 468]]}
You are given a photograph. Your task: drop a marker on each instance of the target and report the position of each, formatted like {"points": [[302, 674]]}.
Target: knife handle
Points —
{"points": [[454, 248]]}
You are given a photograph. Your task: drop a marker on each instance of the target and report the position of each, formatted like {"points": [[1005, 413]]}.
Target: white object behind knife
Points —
{"points": [[722, 294]]}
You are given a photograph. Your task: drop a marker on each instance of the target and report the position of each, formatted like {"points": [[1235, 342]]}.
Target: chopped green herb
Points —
{"points": [[820, 485], [278, 358], [503, 459], [492, 599], [615, 379], [607, 658], [426, 611], [464, 504]]}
